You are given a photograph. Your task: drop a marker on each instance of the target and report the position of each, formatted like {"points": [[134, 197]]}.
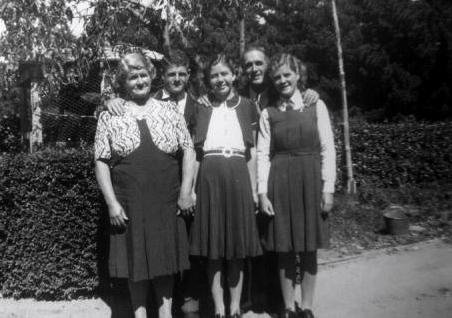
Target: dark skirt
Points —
{"points": [[294, 188], [224, 225]]}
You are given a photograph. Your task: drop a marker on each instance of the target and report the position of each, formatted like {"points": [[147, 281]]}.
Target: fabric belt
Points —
{"points": [[225, 152]]}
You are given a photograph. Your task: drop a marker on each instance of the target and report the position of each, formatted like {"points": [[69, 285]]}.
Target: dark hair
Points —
{"points": [[125, 66], [280, 59], [215, 60], [175, 58]]}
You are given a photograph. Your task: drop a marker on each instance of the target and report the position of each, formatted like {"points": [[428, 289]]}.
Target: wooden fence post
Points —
{"points": [[36, 124]]}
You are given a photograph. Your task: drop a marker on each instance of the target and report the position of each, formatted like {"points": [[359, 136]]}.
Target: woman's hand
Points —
{"points": [[266, 205], [115, 106], [310, 97], [117, 215], [185, 203], [327, 202]]}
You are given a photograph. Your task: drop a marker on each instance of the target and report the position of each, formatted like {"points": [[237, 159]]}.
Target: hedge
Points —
{"points": [[53, 229], [53, 224], [392, 155]]}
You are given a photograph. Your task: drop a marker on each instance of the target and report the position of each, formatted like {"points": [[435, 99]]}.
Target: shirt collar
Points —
{"points": [[166, 95], [232, 102], [296, 100]]}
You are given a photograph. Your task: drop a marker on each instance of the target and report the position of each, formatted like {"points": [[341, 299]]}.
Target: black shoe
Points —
{"points": [[307, 313], [236, 315], [219, 316]]}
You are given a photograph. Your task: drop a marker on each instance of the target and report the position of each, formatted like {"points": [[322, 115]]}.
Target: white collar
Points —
{"points": [[166, 94], [296, 99]]}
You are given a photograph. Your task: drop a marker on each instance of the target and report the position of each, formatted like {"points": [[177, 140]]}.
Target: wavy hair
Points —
{"points": [[215, 60], [299, 67], [126, 65]]}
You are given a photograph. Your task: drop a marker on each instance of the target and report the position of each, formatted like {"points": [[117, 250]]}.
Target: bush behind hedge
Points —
{"points": [[53, 245]]}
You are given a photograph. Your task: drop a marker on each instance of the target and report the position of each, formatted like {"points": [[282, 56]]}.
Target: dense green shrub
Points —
{"points": [[398, 153], [52, 245], [10, 133], [49, 207]]}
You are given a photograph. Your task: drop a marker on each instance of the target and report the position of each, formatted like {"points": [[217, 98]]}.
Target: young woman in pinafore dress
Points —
{"points": [[296, 175], [224, 227]]}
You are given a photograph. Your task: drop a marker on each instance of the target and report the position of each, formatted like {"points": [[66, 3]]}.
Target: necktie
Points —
{"points": [[288, 105]]}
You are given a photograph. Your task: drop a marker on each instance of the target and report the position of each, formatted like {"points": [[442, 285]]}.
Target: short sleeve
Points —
{"points": [[102, 149]]}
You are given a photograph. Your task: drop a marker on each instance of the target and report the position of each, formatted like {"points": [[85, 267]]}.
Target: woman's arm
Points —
{"points": [[328, 155], [263, 163], [115, 210], [185, 201], [252, 167]]}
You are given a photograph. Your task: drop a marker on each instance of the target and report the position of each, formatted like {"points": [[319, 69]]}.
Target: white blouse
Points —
{"points": [[224, 129], [327, 150]]}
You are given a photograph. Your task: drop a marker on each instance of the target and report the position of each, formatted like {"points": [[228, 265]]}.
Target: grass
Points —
{"points": [[357, 221]]}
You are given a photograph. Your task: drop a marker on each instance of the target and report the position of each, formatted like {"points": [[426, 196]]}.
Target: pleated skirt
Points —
{"points": [[224, 225]]}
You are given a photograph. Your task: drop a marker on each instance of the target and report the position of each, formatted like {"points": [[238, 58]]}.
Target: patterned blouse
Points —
{"points": [[121, 134]]}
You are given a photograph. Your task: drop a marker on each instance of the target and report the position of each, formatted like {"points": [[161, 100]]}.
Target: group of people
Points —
{"points": [[185, 178]]}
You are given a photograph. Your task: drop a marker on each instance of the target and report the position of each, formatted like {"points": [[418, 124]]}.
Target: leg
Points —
{"points": [[235, 282], [308, 268], [286, 265], [214, 270], [191, 287], [163, 287], [138, 296]]}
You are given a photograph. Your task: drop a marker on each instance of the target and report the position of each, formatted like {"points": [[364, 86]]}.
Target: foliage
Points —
{"points": [[397, 53], [398, 154], [50, 208], [10, 133]]}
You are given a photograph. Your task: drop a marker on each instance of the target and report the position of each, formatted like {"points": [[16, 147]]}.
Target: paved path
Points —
{"points": [[408, 282]]}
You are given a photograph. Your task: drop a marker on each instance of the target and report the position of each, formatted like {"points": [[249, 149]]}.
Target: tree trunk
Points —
{"points": [[242, 32], [351, 184], [166, 31]]}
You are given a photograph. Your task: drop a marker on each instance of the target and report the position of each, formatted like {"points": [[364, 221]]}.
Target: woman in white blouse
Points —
{"points": [[296, 175], [137, 171]]}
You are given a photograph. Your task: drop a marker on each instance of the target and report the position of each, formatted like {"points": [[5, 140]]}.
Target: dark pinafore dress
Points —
{"points": [[295, 185], [146, 183]]}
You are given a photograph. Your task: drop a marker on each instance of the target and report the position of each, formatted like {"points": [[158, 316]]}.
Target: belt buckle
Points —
{"points": [[227, 152]]}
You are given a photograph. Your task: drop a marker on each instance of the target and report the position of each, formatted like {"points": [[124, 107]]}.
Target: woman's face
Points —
{"points": [[285, 80], [221, 80], [138, 80]]}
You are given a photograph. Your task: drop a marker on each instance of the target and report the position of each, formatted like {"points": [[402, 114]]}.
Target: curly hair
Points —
{"points": [[215, 60], [280, 59], [127, 64]]}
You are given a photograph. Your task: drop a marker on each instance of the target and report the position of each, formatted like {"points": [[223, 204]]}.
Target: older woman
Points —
{"points": [[137, 171]]}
